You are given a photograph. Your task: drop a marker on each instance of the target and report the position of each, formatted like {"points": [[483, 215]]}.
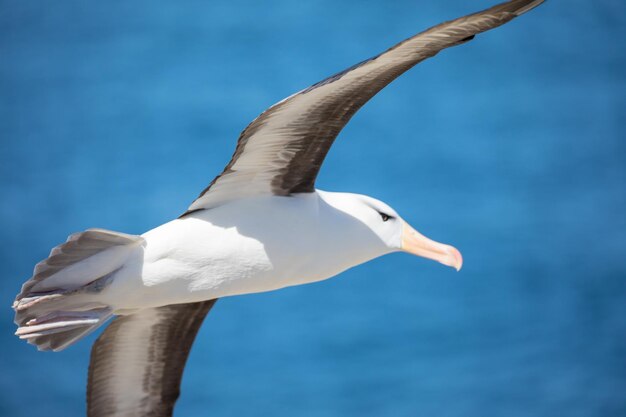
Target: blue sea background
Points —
{"points": [[513, 148]]}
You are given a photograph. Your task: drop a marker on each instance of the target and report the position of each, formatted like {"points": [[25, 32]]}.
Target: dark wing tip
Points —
{"points": [[529, 7], [518, 7]]}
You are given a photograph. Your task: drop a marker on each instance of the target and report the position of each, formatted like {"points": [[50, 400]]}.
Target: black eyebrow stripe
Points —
{"points": [[382, 213]]}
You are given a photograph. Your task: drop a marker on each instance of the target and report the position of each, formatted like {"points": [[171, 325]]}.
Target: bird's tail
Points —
{"points": [[59, 304]]}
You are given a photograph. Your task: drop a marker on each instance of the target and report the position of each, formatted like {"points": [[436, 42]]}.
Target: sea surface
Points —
{"points": [[116, 114]]}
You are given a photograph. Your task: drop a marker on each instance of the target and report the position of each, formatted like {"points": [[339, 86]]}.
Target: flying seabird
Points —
{"points": [[260, 225]]}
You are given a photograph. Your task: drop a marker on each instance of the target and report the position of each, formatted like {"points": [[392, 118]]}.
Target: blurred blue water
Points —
{"points": [[116, 114]]}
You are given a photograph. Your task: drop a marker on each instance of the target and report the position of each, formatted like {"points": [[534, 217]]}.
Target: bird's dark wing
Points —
{"points": [[281, 151], [137, 363]]}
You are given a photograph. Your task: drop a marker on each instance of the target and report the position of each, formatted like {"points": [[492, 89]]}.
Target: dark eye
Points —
{"points": [[384, 216]]}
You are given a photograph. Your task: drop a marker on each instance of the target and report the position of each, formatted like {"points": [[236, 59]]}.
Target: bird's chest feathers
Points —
{"points": [[261, 246]]}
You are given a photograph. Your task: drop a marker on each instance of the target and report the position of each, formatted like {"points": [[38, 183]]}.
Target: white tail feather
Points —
{"points": [[60, 303]]}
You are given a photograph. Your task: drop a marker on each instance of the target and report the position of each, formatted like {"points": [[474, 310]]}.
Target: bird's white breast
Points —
{"points": [[253, 245]]}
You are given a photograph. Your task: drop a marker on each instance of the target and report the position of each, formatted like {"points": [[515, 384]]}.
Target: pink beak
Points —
{"points": [[418, 244]]}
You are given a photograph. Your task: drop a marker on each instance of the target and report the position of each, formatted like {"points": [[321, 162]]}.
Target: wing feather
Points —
{"points": [[282, 150], [137, 363]]}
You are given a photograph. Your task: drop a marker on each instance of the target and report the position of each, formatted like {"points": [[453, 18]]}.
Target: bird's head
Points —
{"points": [[388, 232]]}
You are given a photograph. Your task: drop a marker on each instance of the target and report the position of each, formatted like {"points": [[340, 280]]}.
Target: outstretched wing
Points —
{"points": [[137, 363], [281, 151]]}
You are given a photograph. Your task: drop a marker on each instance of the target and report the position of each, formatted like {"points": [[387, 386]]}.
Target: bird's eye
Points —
{"points": [[384, 216]]}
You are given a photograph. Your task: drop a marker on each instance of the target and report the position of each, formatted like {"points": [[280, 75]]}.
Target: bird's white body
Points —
{"points": [[246, 246]]}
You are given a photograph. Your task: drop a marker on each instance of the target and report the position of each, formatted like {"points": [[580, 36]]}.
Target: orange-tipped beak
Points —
{"points": [[418, 244]]}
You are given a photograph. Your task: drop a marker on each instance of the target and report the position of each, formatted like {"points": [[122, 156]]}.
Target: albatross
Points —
{"points": [[259, 226]]}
